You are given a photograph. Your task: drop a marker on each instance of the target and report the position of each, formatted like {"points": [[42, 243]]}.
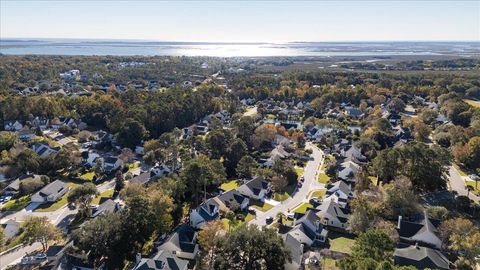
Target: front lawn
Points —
{"points": [[88, 176], [299, 171], [230, 185], [340, 243], [49, 207], [106, 194], [323, 178], [17, 204], [318, 193], [472, 184], [329, 264], [262, 206], [302, 208], [282, 196]]}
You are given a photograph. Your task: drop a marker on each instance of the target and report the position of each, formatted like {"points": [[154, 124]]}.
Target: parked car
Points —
{"points": [[269, 220], [41, 256], [302, 179], [315, 201], [291, 215]]}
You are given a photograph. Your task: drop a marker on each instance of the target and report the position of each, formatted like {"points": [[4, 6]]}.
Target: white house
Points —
{"points": [[257, 188], [43, 150], [139, 150], [50, 193], [13, 125], [339, 192], [332, 214], [90, 159], [111, 164], [347, 170], [10, 228], [160, 171], [205, 212]]}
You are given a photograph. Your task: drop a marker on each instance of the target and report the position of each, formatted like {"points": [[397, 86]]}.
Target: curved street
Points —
{"points": [[300, 196]]}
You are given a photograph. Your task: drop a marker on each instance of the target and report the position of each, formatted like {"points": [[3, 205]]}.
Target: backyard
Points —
{"points": [[230, 185], [340, 243]]}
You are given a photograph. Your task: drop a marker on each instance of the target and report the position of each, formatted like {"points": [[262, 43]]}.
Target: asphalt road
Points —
{"points": [[61, 218], [457, 183], [300, 196]]}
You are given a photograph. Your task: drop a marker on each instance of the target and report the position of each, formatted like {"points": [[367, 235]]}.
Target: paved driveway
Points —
{"points": [[300, 196]]}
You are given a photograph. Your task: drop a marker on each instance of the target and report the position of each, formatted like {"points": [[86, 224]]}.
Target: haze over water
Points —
{"points": [[150, 48]]}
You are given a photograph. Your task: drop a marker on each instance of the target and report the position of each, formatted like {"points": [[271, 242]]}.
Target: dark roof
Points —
{"points": [[231, 196], [111, 160], [108, 206], [141, 178], [256, 185], [53, 188], [421, 257], [164, 260], [183, 239]]}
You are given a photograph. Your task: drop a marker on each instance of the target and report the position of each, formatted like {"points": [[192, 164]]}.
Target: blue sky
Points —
{"points": [[242, 20]]}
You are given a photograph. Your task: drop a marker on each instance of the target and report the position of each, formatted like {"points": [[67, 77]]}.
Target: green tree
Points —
{"points": [[83, 195], [39, 229], [7, 139], [246, 166], [236, 151], [248, 248], [27, 161], [98, 237], [131, 133], [373, 244], [201, 172]]}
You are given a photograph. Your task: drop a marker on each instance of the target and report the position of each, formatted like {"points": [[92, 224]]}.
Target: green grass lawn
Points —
{"points": [[329, 264], [17, 204], [374, 180], [323, 178], [260, 205], [282, 196], [88, 176], [302, 208], [318, 193], [230, 185], [49, 207], [299, 171], [133, 165], [249, 217], [106, 194], [341, 243], [472, 184], [473, 103]]}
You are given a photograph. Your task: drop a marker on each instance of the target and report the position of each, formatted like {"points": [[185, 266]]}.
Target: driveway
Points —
{"points": [[457, 183], [300, 196], [250, 112]]}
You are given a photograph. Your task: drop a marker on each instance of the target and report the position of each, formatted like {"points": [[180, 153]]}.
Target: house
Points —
{"points": [[111, 164], [41, 122], [14, 186], [281, 140], [160, 171], [50, 193], [43, 150], [309, 230], [316, 133], [257, 188], [339, 192], [347, 170], [12, 125], [89, 158], [139, 150], [223, 115], [296, 252], [163, 260], [108, 206], [333, 215], [10, 228], [70, 75], [231, 201], [423, 232], [205, 212], [182, 243], [353, 112], [354, 154], [141, 179], [26, 134], [421, 258]]}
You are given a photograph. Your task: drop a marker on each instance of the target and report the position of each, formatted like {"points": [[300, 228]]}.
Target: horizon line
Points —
{"points": [[227, 41]]}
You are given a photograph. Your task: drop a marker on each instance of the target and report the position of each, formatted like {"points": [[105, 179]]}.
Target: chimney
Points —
{"points": [[399, 222], [416, 245]]}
